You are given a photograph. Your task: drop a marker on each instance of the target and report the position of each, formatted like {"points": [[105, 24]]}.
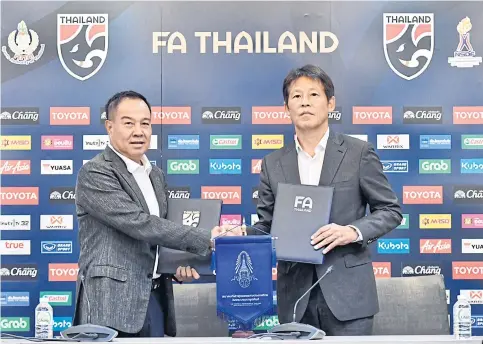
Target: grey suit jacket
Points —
{"points": [[118, 239], [353, 168]]}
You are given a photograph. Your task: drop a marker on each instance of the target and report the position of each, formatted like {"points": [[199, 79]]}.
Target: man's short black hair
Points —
{"points": [[113, 102], [309, 71]]}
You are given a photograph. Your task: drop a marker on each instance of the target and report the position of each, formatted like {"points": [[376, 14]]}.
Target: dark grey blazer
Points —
{"points": [[353, 168], [118, 239]]}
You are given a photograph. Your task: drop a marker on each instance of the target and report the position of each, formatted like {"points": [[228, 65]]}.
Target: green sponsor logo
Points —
{"points": [[404, 223], [266, 323], [225, 141], [184, 166], [58, 298], [434, 166], [15, 324], [472, 141]]}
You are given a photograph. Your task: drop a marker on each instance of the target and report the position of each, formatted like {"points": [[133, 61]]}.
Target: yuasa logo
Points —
{"points": [[19, 116], [419, 269], [256, 166], [471, 245], [439, 221], [393, 246], [18, 272], [221, 115], [14, 166], [228, 194], [183, 166], [382, 269], [62, 195], [15, 142], [63, 272], [468, 115], [15, 247], [57, 142], [64, 247], [179, 192], [303, 204], [70, 116], [395, 166], [58, 298], [230, 220], [267, 141], [62, 323], [171, 115], [372, 115], [393, 141], [468, 194], [474, 296], [225, 166], [15, 299], [435, 141], [56, 166], [435, 246], [468, 270], [423, 115], [471, 165], [56, 222], [15, 324], [270, 115], [25, 195], [423, 194], [15, 222], [434, 166], [472, 220]]}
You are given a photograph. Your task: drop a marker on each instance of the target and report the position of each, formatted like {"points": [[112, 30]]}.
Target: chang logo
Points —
{"points": [[244, 270]]}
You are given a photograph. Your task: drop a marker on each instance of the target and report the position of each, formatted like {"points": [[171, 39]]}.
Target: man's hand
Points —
{"points": [[186, 274], [225, 230], [332, 235]]}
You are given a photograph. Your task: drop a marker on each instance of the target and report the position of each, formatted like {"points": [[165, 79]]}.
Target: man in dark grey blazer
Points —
{"points": [[346, 301], [121, 208]]}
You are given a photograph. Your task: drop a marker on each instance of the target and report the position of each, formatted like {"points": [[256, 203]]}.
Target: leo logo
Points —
{"points": [[82, 42], [244, 270], [408, 42], [191, 218], [303, 204]]}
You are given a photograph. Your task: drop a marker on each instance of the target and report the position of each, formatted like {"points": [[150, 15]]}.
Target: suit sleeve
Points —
{"points": [[99, 194], [266, 202], [383, 202]]}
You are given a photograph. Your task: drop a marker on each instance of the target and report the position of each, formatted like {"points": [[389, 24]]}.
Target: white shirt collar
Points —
{"points": [[320, 146], [132, 165]]}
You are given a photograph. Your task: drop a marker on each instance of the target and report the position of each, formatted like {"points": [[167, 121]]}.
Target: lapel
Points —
{"points": [[158, 187], [109, 155], [290, 166], [334, 153]]}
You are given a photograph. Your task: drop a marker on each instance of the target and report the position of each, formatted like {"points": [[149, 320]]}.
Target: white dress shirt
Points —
{"points": [[310, 167], [141, 175]]}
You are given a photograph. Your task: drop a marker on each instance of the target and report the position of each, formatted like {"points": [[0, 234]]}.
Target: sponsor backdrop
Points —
{"points": [[408, 78]]}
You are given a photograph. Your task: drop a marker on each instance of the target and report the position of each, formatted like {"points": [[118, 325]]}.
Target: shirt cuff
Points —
{"points": [[359, 234]]}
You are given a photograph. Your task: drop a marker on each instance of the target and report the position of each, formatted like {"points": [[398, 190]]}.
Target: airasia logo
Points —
{"points": [[171, 115], [468, 115], [468, 270], [63, 272], [270, 115], [14, 166], [422, 195], [28, 195], [435, 245], [382, 269], [372, 115], [228, 194], [70, 116], [256, 166]]}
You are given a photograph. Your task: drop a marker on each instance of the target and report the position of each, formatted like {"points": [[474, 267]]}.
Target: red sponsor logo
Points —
{"points": [[382, 269], [435, 246], [468, 115], [171, 115], [256, 166], [468, 270], [228, 194], [57, 142], [63, 272], [233, 219], [372, 115], [422, 194], [70, 115], [20, 195], [14, 166], [270, 115]]}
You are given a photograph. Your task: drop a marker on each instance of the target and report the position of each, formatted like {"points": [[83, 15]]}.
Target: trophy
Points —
{"points": [[464, 56]]}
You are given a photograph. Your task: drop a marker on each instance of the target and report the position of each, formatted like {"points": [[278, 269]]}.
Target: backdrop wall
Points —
{"points": [[213, 71]]}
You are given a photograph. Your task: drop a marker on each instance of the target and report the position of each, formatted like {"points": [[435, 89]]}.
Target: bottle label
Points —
{"points": [[43, 318]]}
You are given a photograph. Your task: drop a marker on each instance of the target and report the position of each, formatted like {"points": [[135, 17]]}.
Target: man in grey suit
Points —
{"points": [[121, 208], [346, 301]]}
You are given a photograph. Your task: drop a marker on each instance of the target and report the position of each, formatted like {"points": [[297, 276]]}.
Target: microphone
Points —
{"points": [[305, 331], [89, 332]]}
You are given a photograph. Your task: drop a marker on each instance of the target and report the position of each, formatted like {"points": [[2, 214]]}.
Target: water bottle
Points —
{"points": [[462, 318], [44, 319]]}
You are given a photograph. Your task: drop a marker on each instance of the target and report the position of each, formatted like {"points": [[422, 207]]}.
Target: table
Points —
{"points": [[326, 340]]}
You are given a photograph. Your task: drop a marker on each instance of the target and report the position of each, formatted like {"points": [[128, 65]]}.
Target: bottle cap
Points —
{"points": [[461, 297], [44, 299]]}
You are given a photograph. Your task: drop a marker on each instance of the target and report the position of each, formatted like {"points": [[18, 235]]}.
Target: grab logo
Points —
{"points": [[423, 194], [63, 272]]}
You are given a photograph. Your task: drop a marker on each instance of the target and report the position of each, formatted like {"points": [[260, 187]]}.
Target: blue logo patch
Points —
{"points": [[15, 299], [395, 166], [56, 247], [390, 246], [435, 141], [471, 165], [62, 323], [183, 141], [225, 166]]}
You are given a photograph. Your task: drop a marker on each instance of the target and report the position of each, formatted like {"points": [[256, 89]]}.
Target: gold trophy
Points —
{"points": [[465, 55]]}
